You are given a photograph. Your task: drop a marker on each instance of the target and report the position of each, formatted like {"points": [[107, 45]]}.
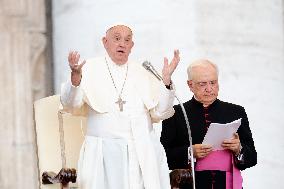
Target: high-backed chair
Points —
{"points": [[59, 138]]}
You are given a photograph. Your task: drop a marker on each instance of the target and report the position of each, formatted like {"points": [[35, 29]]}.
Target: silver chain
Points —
{"points": [[119, 94]]}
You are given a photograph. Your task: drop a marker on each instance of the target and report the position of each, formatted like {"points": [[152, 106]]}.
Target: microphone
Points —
{"points": [[148, 66]]}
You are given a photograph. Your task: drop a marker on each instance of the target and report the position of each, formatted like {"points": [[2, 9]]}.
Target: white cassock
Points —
{"points": [[121, 150]]}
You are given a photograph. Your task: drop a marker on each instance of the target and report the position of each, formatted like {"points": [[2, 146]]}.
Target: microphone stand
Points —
{"points": [[190, 141], [148, 66]]}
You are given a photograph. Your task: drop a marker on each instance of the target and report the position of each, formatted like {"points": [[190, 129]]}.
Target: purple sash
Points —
{"points": [[222, 160]]}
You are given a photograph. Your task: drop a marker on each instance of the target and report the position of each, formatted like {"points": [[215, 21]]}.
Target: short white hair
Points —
{"points": [[108, 28], [200, 62]]}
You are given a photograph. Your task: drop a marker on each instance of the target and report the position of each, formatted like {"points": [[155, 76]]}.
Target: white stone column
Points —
{"points": [[245, 38], [23, 78]]}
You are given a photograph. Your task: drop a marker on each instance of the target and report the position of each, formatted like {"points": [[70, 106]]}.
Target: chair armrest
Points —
{"points": [[64, 177], [179, 177]]}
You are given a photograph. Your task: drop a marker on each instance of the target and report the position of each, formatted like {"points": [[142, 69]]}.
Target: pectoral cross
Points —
{"points": [[120, 103]]}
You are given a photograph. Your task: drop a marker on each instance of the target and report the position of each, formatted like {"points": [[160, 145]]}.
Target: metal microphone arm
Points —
{"points": [[148, 66], [190, 141], [156, 73]]}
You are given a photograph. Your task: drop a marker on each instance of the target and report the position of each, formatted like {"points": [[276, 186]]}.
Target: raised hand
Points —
{"points": [[168, 69], [76, 67]]}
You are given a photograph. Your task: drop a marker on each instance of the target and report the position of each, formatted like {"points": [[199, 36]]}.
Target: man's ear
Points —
{"points": [[132, 44], [104, 40], [189, 83]]}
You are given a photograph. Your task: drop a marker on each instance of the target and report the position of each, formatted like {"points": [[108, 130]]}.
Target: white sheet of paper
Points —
{"points": [[218, 132]]}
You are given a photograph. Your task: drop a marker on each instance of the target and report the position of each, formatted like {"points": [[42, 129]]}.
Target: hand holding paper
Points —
{"points": [[232, 144], [218, 132]]}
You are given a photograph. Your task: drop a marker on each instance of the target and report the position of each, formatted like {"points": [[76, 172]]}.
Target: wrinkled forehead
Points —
{"points": [[204, 73]]}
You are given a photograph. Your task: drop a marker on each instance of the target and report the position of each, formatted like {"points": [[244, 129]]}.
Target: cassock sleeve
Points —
{"points": [[72, 99], [164, 108], [175, 146], [249, 154]]}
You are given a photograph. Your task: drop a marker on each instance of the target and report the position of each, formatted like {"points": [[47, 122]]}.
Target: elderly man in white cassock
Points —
{"points": [[121, 100]]}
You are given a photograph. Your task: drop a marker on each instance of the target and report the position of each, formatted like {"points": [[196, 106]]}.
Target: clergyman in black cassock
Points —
{"points": [[204, 108]]}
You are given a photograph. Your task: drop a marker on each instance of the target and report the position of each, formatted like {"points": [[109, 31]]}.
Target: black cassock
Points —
{"points": [[174, 138]]}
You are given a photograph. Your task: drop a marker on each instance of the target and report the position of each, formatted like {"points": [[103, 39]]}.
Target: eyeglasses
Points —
{"points": [[204, 84]]}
